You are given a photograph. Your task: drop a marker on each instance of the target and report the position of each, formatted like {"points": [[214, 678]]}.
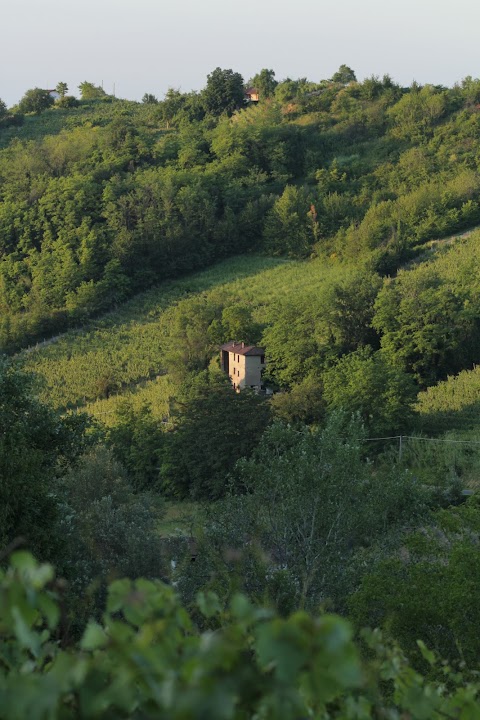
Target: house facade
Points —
{"points": [[243, 364], [252, 95]]}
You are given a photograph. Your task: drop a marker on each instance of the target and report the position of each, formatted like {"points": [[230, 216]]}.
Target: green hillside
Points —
{"points": [[101, 201], [334, 224], [127, 346]]}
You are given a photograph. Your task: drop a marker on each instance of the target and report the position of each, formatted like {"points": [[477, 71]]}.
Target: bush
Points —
{"points": [[147, 659]]}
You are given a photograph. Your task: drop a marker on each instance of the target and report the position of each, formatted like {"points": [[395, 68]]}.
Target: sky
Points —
{"points": [[138, 46]]}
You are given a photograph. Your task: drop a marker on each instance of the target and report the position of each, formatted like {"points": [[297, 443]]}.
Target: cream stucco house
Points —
{"points": [[243, 364]]}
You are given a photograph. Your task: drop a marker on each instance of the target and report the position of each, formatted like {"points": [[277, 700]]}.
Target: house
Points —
{"points": [[243, 364], [252, 95]]}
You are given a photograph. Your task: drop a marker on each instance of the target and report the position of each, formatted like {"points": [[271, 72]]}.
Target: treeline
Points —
{"points": [[137, 193]]}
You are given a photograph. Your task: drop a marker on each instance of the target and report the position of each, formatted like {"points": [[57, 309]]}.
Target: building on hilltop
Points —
{"points": [[252, 95], [243, 364]]}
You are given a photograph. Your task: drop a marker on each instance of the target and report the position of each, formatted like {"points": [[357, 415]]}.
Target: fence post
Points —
{"points": [[400, 449]]}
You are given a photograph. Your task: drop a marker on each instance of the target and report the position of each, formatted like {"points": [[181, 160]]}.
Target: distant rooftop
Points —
{"points": [[241, 349]]}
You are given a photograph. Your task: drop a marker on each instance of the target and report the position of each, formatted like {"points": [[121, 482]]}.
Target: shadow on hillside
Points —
{"points": [[436, 422], [145, 308]]}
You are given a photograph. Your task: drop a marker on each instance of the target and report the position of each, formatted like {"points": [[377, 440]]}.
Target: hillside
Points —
{"points": [[101, 201], [334, 224]]}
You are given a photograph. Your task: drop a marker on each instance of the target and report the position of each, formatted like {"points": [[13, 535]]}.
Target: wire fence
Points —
{"points": [[435, 459]]}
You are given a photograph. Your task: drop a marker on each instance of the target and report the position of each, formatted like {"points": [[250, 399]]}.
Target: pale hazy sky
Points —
{"points": [[149, 45]]}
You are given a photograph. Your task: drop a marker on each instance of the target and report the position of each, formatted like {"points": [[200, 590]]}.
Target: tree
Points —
{"points": [[68, 101], [470, 90], [299, 510], [416, 113], [265, 83], [427, 318], [35, 101], [365, 382], [290, 226], [429, 588], [304, 403], [3, 109], [34, 440], [237, 323], [90, 91], [107, 530], [348, 310], [215, 427], [62, 89], [172, 103], [137, 439], [344, 75], [149, 99], [224, 92]]}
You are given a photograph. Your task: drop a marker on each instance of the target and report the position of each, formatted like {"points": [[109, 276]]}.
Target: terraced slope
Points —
{"points": [[125, 348]]}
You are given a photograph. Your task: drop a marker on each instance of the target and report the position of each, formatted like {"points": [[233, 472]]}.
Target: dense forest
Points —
{"points": [[202, 553]]}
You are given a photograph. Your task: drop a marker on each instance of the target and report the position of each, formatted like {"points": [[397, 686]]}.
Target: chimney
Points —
{"points": [[243, 344]]}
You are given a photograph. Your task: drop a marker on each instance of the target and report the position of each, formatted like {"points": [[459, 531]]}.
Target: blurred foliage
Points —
{"points": [[429, 588], [146, 658]]}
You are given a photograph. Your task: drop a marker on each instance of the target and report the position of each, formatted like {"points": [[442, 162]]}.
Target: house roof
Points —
{"points": [[241, 349], [251, 91]]}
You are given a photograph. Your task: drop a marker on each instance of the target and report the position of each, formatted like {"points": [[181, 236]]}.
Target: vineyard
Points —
{"points": [[125, 348]]}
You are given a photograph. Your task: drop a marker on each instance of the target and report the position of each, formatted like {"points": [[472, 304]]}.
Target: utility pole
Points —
{"points": [[400, 448]]}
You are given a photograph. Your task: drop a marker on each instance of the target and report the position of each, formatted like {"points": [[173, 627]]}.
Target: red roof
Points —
{"points": [[241, 349]]}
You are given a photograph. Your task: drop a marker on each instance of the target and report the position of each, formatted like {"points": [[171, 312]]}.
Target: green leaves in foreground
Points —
{"points": [[147, 660]]}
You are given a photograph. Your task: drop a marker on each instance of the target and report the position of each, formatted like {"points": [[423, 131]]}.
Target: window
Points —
{"points": [[234, 386], [262, 359], [238, 373]]}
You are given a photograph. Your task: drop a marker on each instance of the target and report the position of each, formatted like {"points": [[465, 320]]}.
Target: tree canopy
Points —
{"points": [[35, 101], [89, 91], [344, 75], [224, 92]]}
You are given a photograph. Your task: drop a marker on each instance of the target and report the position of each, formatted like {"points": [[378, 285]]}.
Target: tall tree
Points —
{"points": [[344, 75], [365, 382], [62, 89], [149, 99], [265, 83], [299, 510], [290, 225], [216, 427], [90, 91], [224, 92]]}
